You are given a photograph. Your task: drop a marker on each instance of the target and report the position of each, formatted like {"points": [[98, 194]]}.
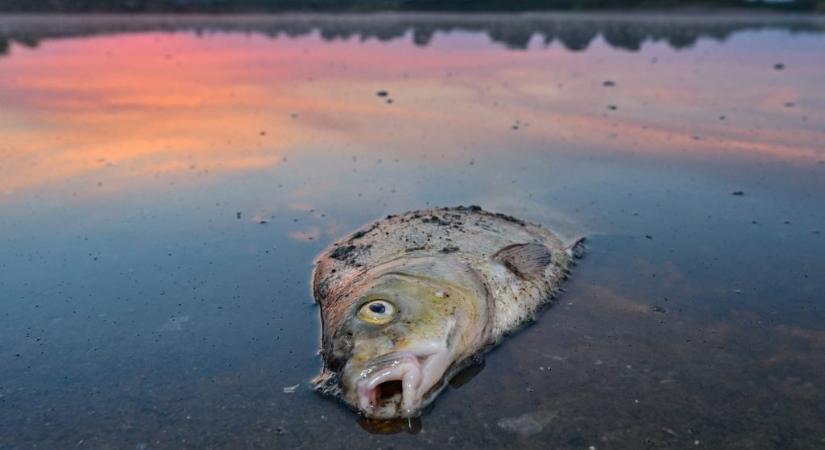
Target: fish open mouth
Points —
{"points": [[393, 385], [389, 391]]}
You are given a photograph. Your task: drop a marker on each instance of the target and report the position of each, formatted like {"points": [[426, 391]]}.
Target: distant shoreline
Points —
{"points": [[574, 30], [378, 6]]}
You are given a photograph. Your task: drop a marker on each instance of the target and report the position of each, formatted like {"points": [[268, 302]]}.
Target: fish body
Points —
{"points": [[411, 299]]}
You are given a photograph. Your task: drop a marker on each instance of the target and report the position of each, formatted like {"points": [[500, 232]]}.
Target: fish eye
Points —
{"points": [[377, 312]]}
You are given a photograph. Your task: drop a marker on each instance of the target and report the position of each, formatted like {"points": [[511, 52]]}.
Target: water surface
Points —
{"points": [[165, 184]]}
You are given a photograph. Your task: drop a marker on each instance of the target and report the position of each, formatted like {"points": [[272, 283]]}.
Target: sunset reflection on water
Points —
{"points": [[125, 107], [166, 182]]}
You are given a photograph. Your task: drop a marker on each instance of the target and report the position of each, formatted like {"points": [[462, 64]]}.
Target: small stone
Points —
{"points": [[612, 107], [608, 83], [382, 93]]}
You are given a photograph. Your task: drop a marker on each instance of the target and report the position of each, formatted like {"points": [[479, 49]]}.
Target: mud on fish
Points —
{"points": [[410, 300]]}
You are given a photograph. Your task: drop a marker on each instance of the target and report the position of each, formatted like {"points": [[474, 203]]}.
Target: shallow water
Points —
{"points": [[165, 184]]}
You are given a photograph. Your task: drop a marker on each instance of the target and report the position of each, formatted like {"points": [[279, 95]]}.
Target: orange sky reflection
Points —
{"points": [[139, 104]]}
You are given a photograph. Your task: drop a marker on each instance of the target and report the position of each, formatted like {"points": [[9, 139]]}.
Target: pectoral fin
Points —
{"points": [[526, 261]]}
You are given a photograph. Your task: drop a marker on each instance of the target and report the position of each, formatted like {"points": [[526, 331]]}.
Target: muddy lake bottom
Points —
{"points": [[166, 183]]}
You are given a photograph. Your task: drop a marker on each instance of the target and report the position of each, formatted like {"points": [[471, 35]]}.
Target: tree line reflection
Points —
{"points": [[575, 32]]}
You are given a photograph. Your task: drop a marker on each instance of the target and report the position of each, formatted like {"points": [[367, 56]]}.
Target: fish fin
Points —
{"points": [[576, 247], [327, 383], [525, 260]]}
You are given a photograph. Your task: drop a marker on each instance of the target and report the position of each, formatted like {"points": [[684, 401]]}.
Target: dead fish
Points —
{"points": [[410, 300]]}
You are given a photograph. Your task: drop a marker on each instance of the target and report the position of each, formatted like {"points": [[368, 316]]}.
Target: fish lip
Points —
{"points": [[404, 366]]}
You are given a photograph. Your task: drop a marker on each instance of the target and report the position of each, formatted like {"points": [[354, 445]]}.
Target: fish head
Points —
{"points": [[403, 333]]}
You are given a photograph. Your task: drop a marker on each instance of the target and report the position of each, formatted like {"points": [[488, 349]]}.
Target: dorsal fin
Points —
{"points": [[525, 260]]}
